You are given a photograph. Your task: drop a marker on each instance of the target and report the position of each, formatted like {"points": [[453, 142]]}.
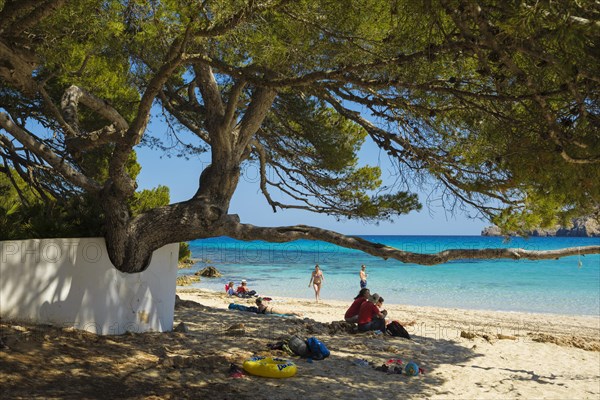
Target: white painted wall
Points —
{"points": [[72, 283]]}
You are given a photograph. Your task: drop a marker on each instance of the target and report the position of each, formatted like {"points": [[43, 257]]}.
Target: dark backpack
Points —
{"points": [[395, 329], [318, 350], [298, 346]]}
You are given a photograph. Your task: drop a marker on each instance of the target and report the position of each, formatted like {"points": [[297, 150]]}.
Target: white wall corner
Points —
{"points": [[72, 283]]}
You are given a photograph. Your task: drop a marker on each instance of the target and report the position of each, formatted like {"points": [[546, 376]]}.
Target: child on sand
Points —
{"points": [[229, 289]]}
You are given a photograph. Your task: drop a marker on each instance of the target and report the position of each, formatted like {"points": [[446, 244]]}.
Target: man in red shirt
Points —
{"points": [[242, 288], [243, 291], [369, 316]]}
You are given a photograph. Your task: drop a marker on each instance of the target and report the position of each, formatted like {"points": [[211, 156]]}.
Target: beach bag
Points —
{"points": [[298, 346], [318, 350], [247, 295], [395, 329]]}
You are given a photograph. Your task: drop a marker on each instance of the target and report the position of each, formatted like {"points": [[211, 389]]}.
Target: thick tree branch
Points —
{"points": [[211, 96], [91, 140], [282, 234], [74, 94], [47, 155], [361, 75], [232, 103], [120, 180], [76, 140], [36, 16], [16, 68], [261, 102], [42, 10], [12, 8], [154, 87]]}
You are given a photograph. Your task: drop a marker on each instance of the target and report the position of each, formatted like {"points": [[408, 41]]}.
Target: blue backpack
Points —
{"points": [[318, 350]]}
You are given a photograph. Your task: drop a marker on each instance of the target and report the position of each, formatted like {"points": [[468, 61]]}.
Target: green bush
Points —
{"points": [[184, 252]]}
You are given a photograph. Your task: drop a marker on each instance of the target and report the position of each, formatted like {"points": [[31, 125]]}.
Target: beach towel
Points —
{"points": [[241, 307]]}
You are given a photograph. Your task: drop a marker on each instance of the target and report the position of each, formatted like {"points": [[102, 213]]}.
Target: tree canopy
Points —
{"points": [[496, 103]]}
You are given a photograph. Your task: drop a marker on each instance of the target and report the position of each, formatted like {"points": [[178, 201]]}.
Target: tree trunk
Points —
{"points": [[130, 242]]}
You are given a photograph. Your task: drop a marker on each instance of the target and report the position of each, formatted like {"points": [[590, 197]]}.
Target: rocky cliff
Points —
{"points": [[581, 227]]}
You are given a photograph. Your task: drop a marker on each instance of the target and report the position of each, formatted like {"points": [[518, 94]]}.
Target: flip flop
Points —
{"points": [[235, 371]]}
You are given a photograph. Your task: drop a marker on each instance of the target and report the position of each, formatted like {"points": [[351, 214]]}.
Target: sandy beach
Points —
{"points": [[465, 354]]}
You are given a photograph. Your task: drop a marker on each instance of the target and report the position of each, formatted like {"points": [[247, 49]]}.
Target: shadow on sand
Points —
{"points": [[44, 361]]}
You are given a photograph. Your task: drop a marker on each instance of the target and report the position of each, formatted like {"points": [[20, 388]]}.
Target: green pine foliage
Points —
{"points": [[496, 103]]}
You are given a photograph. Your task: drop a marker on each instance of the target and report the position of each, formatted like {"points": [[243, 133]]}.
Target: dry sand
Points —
{"points": [[465, 354]]}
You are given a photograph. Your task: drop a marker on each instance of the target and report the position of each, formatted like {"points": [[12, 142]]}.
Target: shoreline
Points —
{"points": [[342, 302], [349, 300]]}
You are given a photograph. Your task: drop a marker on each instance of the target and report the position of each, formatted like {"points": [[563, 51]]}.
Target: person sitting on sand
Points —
{"points": [[379, 305], [352, 312], [229, 289], [244, 291], [266, 309], [369, 316]]}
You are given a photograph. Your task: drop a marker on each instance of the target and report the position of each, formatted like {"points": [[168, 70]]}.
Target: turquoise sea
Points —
{"points": [[569, 285]]}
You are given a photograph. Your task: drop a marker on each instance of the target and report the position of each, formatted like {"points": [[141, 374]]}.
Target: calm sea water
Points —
{"points": [[569, 285]]}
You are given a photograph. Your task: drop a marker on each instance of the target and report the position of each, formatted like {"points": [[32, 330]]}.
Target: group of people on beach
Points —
{"points": [[262, 305], [366, 310], [241, 291]]}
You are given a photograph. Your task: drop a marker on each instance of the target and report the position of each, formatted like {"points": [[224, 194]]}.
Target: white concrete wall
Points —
{"points": [[72, 283]]}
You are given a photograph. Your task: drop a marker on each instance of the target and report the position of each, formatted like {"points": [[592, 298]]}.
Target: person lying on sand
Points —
{"points": [[265, 309]]}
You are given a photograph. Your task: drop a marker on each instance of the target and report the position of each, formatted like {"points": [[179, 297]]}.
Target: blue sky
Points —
{"points": [[181, 176]]}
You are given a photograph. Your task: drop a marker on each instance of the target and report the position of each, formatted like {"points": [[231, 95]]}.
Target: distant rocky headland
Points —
{"points": [[581, 227]]}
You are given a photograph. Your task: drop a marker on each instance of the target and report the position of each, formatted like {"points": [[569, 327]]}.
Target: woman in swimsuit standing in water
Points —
{"points": [[316, 279]]}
